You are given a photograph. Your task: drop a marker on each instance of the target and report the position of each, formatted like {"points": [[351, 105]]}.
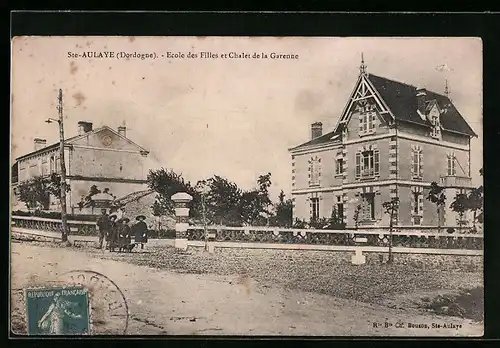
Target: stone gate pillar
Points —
{"points": [[181, 201]]}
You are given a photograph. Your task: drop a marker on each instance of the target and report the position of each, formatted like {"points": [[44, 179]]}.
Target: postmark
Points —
{"points": [[109, 308], [58, 311]]}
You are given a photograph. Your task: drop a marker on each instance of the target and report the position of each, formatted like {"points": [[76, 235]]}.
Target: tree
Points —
{"points": [[460, 205], [357, 211], [475, 202], [36, 192], [283, 211], [391, 208], [223, 201], [166, 183], [437, 196], [255, 204]]}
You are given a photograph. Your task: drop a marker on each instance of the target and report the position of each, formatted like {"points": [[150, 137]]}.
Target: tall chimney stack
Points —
{"points": [[421, 99], [39, 143], [84, 127], [316, 130], [122, 130]]}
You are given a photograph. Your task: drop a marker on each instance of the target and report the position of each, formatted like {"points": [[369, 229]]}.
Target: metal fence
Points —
{"points": [[379, 238]]}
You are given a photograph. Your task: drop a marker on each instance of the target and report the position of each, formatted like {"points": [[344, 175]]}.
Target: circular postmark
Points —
{"points": [[109, 313]]}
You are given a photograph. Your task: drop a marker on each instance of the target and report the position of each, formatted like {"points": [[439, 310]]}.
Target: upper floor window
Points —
{"points": [[416, 162], [436, 130], [339, 166], [367, 122], [367, 163], [450, 161], [314, 171]]}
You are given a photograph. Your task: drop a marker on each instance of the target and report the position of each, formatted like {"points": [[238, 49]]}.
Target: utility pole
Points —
{"points": [[62, 196], [64, 217]]}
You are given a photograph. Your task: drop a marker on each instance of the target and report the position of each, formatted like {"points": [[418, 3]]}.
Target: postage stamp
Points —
{"points": [[58, 311]]}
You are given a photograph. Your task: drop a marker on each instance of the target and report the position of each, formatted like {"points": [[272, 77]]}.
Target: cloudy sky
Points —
{"points": [[231, 117]]}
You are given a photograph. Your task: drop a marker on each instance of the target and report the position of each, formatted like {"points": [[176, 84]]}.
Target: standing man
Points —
{"points": [[104, 225]]}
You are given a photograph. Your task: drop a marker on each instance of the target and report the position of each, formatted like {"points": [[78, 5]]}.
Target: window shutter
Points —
{"points": [[376, 160], [420, 163], [358, 164], [361, 123]]}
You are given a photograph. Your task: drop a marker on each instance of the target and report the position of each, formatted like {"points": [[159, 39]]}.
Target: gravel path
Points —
{"points": [[248, 293]]}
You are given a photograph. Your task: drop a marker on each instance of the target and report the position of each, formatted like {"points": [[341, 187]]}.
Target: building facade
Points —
{"points": [[391, 140], [102, 157]]}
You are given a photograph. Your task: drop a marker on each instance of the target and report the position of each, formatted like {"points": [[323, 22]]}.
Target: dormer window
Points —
{"points": [[434, 120], [435, 132]]}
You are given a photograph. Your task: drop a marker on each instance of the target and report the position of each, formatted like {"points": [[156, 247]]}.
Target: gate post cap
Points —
{"points": [[181, 197]]}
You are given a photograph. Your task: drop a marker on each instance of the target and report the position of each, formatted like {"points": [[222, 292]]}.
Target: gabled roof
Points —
{"points": [[133, 196], [325, 138], [69, 141], [401, 99]]}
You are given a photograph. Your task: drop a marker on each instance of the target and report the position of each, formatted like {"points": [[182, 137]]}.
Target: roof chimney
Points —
{"points": [[122, 130], [316, 130], [421, 100], [84, 127], [39, 143]]}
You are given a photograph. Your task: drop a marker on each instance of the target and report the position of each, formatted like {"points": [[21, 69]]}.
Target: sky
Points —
{"points": [[232, 117]]}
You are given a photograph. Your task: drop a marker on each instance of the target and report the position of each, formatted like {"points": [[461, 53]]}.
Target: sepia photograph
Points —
{"points": [[246, 186]]}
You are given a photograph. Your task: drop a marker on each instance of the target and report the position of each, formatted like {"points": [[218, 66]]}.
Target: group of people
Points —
{"points": [[118, 233]]}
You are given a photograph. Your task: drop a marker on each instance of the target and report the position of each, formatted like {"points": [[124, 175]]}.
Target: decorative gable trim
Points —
{"points": [[363, 90]]}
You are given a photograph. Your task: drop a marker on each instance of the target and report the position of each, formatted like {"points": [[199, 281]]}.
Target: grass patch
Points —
{"points": [[467, 304]]}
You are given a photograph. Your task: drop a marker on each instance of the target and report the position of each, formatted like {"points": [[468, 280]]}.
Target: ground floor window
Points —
{"points": [[367, 206], [340, 209], [315, 208]]}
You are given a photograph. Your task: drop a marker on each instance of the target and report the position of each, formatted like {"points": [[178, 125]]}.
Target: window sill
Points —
{"points": [[314, 185], [339, 176], [364, 134], [368, 178], [419, 178]]}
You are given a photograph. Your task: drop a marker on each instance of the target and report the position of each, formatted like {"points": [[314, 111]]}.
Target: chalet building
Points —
{"points": [[102, 157], [391, 140]]}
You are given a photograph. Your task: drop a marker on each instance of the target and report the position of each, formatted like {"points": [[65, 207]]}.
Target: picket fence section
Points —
{"points": [[366, 237]]}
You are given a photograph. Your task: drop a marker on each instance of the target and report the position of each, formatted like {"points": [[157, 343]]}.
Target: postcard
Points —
{"points": [[246, 186]]}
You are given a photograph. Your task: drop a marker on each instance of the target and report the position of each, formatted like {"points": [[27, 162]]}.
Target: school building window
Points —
{"points": [[340, 209], [339, 167], [367, 163], [315, 208], [367, 206], [315, 171], [451, 164], [367, 122], [416, 162]]}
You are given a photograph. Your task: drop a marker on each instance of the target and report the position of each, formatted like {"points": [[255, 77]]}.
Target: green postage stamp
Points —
{"points": [[58, 311]]}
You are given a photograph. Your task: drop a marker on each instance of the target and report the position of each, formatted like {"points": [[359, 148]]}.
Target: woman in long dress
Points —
{"points": [[53, 319], [125, 235], [141, 231], [113, 233]]}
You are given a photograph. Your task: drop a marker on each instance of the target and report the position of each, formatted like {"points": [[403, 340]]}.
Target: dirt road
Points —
{"points": [[164, 302]]}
